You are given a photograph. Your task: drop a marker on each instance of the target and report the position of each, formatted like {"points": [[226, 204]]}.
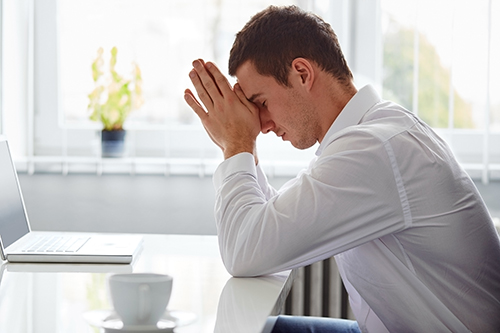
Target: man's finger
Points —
{"points": [[194, 104], [251, 106], [200, 87], [219, 78], [207, 80]]}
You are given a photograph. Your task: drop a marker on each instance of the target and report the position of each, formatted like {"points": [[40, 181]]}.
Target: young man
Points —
{"points": [[414, 242]]}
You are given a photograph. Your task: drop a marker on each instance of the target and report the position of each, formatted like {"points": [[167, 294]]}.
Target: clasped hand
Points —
{"points": [[230, 120]]}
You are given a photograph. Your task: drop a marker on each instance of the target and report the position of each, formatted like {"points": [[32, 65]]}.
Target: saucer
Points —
{"points": [[111, 322]]}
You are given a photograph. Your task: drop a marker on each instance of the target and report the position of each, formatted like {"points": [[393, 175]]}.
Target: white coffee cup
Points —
{"points": [[140, 299]]}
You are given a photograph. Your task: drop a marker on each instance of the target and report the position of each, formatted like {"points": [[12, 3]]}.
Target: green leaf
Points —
{"points": [[111, 103]]}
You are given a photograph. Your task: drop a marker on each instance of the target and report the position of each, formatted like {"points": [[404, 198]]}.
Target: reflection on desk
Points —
{"points": [[53, 297], [243, 298]]}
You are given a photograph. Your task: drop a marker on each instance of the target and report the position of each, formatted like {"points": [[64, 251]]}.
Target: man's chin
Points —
{"points": [[302, 145]]}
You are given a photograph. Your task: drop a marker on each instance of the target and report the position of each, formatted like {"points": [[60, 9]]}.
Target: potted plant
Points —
{"points": [[112, 100]]}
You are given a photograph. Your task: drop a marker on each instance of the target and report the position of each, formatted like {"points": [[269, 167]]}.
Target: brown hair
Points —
{"points": [[276, 36]]}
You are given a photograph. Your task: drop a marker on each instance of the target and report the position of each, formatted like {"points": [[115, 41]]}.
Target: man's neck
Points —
{"points": [[332, 97]]}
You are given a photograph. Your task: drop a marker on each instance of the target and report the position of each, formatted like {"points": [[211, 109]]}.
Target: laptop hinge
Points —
{"points": [[2, 251]]}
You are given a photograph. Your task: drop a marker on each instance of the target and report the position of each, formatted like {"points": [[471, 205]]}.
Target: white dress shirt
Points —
{"points": [[414, 242]]}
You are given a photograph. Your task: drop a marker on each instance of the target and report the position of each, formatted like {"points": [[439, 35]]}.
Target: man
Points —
{"points": [[413, 240]]}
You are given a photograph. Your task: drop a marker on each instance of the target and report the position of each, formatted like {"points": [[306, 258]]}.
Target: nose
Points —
{"points": [[266, 123]]}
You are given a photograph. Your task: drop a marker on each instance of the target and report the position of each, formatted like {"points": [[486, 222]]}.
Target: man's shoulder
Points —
{"points": [[383, 126], [383, 121]]}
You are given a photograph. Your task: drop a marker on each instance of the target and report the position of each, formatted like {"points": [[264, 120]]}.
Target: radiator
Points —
{"points": [[318, 291]]}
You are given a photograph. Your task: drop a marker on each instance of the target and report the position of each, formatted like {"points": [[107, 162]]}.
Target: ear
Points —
{"points": [[304, 72]]}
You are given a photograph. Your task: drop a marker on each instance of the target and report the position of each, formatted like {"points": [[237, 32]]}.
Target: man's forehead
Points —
{"points": [[250, 81], [245, 75], [246, 68]]}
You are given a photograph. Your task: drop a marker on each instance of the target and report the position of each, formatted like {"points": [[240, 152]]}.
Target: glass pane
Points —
{"points": [[495, 68], [1, 67], [434, 76], [160, 36], [398, 26], [470, 49], [450, 37], [494, 93]]}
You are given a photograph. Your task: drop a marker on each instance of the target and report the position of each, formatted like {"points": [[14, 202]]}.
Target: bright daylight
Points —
{"points": [[249, 166]]}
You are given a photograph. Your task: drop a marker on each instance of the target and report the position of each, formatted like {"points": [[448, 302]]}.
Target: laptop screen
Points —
{"points": [[13, 223]]}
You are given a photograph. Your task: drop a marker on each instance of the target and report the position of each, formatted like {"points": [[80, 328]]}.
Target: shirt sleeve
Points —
{"points": [[266, 188], [335, 205], [243, 163]]}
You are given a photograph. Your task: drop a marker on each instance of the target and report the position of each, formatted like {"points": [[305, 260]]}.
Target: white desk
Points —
{"points": [[54, 297]]}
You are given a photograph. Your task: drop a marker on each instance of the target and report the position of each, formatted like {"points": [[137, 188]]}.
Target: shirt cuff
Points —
{"points": [[239, 163]]}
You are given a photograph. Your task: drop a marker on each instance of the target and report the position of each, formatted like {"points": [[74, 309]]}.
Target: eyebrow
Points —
{"points": [[254, 96]]}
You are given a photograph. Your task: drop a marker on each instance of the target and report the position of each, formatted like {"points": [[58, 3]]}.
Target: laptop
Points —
{"points": [[18, 243]]}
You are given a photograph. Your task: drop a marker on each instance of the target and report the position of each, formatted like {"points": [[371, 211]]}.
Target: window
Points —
{"points": [[1, 68], [162, 37], [435, 58], [437, 62]]}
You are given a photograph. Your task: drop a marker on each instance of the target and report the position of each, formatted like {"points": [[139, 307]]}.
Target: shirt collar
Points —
{"points": [[351, 114]]}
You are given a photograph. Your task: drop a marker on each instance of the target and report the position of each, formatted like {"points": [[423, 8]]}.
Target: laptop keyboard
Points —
{"points": [[57, 244]]}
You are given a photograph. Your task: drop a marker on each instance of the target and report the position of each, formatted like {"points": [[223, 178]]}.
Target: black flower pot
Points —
{"points": [[113, 143]]}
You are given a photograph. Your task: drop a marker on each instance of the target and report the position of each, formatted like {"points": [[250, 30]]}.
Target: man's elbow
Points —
{"points": [[244, 268], [241, 270]]}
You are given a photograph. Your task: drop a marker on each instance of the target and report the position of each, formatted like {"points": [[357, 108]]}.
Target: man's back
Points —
{"points": [[444, 264]]}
